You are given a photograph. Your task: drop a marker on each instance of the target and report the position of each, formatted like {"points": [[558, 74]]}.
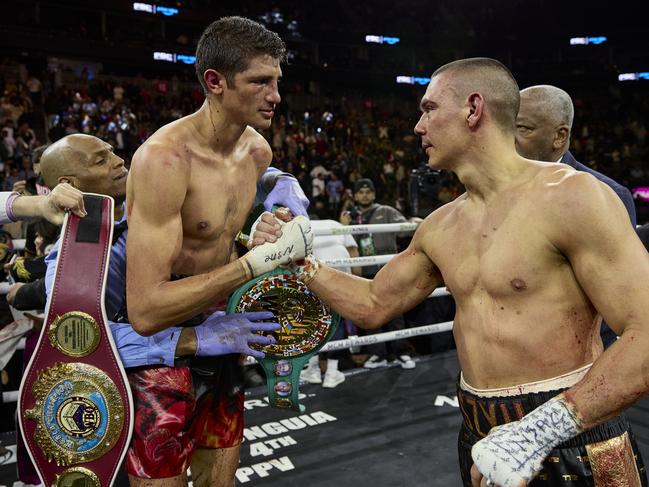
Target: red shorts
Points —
{"points": [[170, 422]]}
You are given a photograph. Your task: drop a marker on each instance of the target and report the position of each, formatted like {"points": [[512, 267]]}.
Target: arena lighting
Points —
{"points": [[412, 80], [172, 57], [641, 193], [153, 9], [167, 11], [633, 76], [143, 7], [185, 58], [584, 41], [164, 56], [382, 39]]}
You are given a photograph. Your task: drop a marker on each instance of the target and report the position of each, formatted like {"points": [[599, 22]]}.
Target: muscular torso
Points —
{"points": [[521, 314], [219, 197]]}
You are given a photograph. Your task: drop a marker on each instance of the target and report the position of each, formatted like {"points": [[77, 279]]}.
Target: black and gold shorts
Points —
{"points": [[604, 456]]}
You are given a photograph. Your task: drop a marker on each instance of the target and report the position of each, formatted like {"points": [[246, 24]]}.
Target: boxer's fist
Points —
{"points": [[295, 243], [268, 227]]}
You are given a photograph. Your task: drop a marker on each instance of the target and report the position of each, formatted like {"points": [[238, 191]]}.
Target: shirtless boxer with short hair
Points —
{"points": [[533, 253], [189, 192]]}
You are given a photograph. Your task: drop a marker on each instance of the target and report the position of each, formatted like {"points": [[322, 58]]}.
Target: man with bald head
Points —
{"points": [[88, 164], [543, 128], [533, 252]]}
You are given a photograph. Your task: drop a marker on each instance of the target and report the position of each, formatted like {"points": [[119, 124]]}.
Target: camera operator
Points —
{"points": [[425, 191], [366, 211]]}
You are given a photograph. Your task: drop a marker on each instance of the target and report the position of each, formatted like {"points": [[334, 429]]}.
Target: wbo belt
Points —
{"points": [[306, 325], [75, 406]]}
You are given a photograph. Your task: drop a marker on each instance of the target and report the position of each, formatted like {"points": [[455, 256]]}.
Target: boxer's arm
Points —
{"points": [[156, 191], [402, 283], [612, 267]]}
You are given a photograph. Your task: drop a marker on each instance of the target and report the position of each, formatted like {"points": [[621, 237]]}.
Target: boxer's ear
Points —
{"points": [[475, 104], [215, 81]]}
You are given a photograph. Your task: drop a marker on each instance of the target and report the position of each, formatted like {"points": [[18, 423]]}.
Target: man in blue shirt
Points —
{"points": [[543, 128]]}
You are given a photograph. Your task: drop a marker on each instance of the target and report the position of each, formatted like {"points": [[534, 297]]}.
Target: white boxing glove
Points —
{"points": [[295, 243]]}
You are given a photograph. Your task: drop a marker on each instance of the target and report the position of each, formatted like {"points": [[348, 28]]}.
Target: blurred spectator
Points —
{"points": [[35, 90], [334, 189], [330, 247], [366, 212]]}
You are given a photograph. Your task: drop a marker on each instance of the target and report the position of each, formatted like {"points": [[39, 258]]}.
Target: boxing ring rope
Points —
{"points": [[371, 228], [359, 261], [388, 336]]}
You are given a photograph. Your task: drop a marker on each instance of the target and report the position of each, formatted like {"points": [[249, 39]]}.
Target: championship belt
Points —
{"points": [[307, 324], [75, 406]]}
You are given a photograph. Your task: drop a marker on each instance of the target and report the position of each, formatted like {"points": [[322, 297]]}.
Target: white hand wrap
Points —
{"points": [[306, 271], [513, 453], [295, 243]]}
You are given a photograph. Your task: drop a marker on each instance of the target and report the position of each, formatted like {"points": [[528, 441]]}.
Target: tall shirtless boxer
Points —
{"points": [[533, 254], [189, 192]]}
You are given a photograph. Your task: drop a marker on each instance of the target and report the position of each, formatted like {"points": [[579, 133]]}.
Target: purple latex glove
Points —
{"points": [[287, 192], [221, 334]]}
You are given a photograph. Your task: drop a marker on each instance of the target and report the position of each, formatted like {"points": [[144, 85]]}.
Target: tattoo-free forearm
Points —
{"points": [[349, 295], [617, 379], [172, 302]]}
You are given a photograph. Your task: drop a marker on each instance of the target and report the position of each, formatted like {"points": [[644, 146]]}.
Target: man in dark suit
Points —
{"points": [[643, 233], [543, 128]]}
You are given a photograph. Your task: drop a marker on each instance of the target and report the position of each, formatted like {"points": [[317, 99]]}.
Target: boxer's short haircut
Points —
{"points": [[493, 81], [227, 45]]}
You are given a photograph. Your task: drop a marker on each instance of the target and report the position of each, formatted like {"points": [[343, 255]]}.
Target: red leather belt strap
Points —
{"points": [[75, 406]]}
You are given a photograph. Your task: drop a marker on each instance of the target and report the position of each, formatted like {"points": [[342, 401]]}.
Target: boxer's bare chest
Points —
{"points": [[499, 249], [218, 200]]}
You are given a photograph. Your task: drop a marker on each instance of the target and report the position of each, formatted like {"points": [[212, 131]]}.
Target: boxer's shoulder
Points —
{"points": [[165, 153], [255, 145]]}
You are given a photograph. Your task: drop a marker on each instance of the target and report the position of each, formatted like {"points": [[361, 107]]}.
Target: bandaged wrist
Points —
{"points": [[306, 272], [514, 452], [264, 258]]}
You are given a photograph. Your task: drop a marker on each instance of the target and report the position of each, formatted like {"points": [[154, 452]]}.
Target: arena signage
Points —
{"points": [[633, 76], [584, 41], [382, 39], [265, 440], [173, 57], [411, 80], [155, 9]]}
